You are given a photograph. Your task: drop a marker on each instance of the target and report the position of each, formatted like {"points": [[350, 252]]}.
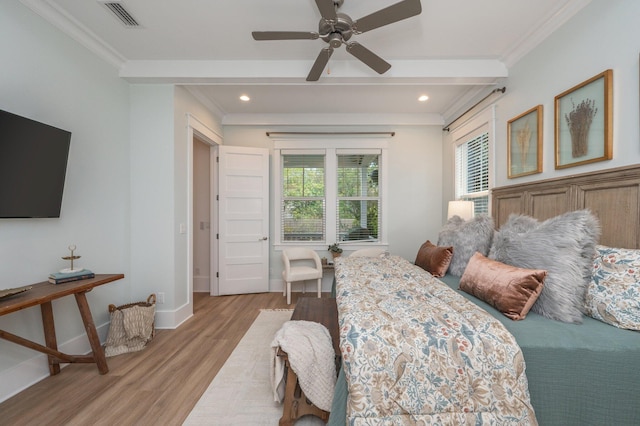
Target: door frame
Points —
{"points": [[196, 127]]}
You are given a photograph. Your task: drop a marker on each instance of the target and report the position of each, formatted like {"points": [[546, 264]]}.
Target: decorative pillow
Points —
{"points": [[564, 246], [466, 238], [434, 259], [613, 296], [510, 290]]}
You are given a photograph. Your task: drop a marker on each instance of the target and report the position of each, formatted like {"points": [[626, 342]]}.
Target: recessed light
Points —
{"points": [[423, 98], [245, 98]]}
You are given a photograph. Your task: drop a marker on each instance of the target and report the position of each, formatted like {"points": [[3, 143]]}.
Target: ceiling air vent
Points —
{"points": [[117, 8]]}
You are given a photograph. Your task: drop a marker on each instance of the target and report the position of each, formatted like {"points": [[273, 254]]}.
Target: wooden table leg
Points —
{"points": [[92, 334], [50, 336]]}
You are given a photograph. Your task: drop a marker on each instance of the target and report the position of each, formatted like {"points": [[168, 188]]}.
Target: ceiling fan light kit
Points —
{"points": [[336, 29]]}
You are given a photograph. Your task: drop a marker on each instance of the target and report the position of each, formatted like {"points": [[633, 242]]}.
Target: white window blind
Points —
{"points": [[330, 191], [303, 198], [358, 197], [472, 172]]}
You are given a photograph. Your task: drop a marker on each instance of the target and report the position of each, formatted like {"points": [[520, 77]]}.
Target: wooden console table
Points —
{"points": [[42, 294]]}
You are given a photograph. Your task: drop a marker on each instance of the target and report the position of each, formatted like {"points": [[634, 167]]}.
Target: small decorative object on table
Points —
{"points": [[335, 250], [71, 257], [71, 273]]}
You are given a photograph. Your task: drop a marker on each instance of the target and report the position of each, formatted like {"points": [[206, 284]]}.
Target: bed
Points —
{"points": [[576, 374]]}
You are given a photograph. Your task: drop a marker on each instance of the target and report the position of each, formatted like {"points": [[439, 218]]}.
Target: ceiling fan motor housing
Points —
{"points": [[338, 32]]}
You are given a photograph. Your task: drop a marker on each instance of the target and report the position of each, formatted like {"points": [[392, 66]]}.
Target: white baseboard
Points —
{"points": [[172, 319]]}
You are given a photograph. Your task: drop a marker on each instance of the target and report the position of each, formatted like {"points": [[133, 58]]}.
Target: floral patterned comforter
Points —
{"points": [[415, 352]]}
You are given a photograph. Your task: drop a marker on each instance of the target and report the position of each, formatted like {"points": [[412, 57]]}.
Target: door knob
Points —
{"points": [[263, 239]]}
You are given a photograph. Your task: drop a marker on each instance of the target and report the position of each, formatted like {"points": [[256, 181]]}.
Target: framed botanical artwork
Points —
{"points": [[584, 122], [524, 143]]}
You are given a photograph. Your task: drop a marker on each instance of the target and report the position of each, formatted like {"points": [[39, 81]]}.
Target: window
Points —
{"points": [[358, 197], [473, 166], [472, 171], [303, 198], [328, 195]]}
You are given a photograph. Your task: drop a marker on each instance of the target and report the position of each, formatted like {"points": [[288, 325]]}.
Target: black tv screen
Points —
{"points": [[33, 165]]}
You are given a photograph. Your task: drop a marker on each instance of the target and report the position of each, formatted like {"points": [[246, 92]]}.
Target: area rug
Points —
{"points": [[240, 394]]}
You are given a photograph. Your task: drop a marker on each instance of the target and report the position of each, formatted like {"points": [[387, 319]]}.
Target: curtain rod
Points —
{"points": [[494, 91], [330, 133]]}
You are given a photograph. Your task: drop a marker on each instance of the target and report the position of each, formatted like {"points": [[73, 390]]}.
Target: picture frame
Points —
{"points": [[524, 143], [584, 122]]}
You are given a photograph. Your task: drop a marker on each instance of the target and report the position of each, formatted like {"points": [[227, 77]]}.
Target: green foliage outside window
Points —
{"points": [[358, 197]]}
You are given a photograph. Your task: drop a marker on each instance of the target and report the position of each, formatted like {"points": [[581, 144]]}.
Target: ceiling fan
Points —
{"points": [[337, 28]]}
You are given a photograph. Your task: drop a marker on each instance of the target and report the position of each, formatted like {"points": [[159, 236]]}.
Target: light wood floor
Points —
{"points": [[156, 386]]}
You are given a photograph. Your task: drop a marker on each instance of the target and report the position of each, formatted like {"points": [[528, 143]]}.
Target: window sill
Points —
{"points": [[322, 247]]}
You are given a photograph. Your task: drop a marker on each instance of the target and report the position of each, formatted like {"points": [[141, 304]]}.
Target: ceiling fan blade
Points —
{"points": [[327, 9], [394, 13], [284, 35], [372, 60], [319, 64]]}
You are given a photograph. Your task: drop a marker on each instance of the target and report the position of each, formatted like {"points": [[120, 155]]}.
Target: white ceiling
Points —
{"points": [[455, 51]]}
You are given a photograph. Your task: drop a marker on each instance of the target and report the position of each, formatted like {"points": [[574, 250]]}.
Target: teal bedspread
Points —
{"points": [[579, 374]]}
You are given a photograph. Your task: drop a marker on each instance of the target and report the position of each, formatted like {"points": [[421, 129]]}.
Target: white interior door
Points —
{"points": [[243, 220]]}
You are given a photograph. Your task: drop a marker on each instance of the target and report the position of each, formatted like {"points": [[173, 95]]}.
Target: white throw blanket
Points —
{"points": [[311, 356]]}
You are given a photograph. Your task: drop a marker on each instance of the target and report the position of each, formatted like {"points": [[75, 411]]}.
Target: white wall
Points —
{"points": [[603, 35], [159, 179], [152, 197], [50, 78], [415, 182]]}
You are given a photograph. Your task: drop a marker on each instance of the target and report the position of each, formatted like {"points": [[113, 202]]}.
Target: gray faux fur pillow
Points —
{"points": [[466, 238], [564, 246]]}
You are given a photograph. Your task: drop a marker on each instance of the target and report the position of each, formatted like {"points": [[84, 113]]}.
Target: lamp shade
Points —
{"points": [[461, 208]]}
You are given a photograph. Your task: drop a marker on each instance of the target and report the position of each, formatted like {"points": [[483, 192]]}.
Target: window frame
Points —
{"points": [[330, 148]]}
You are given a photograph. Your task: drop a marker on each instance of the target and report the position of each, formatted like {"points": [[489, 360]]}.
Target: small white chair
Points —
{"points": [[300, 264], [368, 252]]}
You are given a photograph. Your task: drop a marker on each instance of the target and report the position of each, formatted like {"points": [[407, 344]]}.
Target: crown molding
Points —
{"points": [[546, 27], [59, 18], [212, 106]]}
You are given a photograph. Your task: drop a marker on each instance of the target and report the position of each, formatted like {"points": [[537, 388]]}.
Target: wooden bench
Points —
{"points": [[295, 402]]}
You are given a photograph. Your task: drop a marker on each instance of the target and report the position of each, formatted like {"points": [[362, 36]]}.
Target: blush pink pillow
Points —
{"points": [[509, 289], [434, 259]]}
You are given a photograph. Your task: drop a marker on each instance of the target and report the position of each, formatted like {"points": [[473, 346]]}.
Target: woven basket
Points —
{"points": [[132, 327]]}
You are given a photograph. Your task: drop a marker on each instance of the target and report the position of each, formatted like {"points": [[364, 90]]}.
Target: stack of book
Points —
{"points": [[65, 277]]}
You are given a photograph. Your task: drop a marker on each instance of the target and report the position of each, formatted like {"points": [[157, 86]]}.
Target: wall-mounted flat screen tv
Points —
{"points": [[33, 165]]}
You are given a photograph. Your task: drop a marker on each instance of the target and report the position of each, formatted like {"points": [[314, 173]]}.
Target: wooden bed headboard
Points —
{"points": [[613, 195]]}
